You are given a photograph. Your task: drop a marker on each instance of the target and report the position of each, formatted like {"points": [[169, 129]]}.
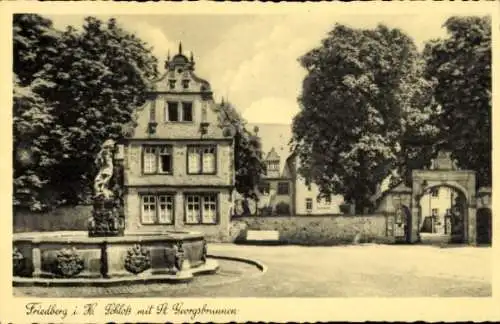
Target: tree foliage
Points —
{"points": [[460, 66], [249, 166], [82, 85], [362, 95], [35, 129]]}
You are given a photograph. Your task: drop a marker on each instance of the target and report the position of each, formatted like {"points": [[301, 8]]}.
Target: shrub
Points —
{"points": [[283, 208], [266, 211], [345, 209]]}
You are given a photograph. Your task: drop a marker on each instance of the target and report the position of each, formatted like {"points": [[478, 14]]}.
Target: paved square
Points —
{"points": [[339, 271]]}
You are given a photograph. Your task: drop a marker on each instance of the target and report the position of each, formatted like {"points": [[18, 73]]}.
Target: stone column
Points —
{"points": [[415, 211], [36, 256], [471, 225], [414, 224]]}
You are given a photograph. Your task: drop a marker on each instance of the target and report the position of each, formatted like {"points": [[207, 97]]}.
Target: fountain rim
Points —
{"points": [[83, 238]]}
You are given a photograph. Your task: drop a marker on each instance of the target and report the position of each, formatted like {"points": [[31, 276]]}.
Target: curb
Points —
{"points": [[261, 266]]}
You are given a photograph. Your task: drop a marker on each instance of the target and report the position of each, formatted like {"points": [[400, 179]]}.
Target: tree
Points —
{"points": [[98, 76], [102, 78], [460, 65], [249, 166], [35, 130], [361, 88]]}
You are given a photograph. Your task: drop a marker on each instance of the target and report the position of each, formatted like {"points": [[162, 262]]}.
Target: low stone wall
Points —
{"points": [[303, 230], [316, 230]]}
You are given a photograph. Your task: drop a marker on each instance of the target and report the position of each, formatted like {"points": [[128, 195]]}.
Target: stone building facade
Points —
{"points": [[179, 159], [277, 186], [306, 197]]}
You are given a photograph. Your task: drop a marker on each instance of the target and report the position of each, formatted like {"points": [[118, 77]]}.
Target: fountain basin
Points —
{"points": [[74, 257]]}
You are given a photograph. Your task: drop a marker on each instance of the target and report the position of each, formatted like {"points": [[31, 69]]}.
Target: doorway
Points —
{"points": [[442, 215]]}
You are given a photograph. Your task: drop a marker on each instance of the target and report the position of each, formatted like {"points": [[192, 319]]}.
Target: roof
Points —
{"points": [[399, 188], [272, 155]]}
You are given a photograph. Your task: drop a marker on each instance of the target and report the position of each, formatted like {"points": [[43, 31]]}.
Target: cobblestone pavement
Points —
{"points": [[342, 271]]}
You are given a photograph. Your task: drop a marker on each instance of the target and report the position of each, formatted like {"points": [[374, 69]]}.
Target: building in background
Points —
{"points": [[282, 182], [276, 188], [306, 198], [179, 160], [436, 209]]}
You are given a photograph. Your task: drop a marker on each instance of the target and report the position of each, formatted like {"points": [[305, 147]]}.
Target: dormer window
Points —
{"points": [[185, 84], [171, 84], [273, 165]]}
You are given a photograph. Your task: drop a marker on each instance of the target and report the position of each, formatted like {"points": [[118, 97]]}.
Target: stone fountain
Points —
{"points": [[105, 254]]}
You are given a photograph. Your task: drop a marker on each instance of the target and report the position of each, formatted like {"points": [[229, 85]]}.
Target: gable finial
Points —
{"points": [[168, 55], [180, 47], [192, 57]]}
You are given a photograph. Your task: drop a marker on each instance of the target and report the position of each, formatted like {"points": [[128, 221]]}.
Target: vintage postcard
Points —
{"points": [[213, 162]]}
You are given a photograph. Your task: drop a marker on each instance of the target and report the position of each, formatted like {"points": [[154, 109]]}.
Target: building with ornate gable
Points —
{"points": [[179, 159]]}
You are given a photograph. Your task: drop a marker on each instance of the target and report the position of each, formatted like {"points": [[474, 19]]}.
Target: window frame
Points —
{"points": [[182, 105], [180, 111], [201, 202], [309, 200], [157, 156], [156, 195], [264, 187], [281, 192], [201, 148]]}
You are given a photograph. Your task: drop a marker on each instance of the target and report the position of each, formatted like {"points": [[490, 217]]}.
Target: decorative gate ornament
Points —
{"points": [[68, 263], [444, 161], [138, 259]]}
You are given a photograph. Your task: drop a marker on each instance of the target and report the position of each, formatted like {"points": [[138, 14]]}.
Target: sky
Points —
{"points": [[252, 60]]}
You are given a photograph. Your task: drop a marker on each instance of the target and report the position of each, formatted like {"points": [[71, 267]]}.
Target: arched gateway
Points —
{"points": [[444, 173], [457, 224]]}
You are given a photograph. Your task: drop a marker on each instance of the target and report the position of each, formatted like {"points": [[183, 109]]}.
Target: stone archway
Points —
{"points": [[442, 214], [444, 172]]}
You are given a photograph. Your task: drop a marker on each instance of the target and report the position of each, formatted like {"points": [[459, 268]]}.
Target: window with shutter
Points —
{"points": [[149, 159], [165, 210], [194, 160], [148, 209], [192, 209], [209, 160], [209, 209], [157, 209], [202, 160]]}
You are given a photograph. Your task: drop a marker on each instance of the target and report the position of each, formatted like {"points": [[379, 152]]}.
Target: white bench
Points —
{"points": [[263, 236]]}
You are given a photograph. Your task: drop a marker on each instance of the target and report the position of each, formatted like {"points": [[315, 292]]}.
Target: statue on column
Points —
{"points": [[104, 163], [107, 215]]}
